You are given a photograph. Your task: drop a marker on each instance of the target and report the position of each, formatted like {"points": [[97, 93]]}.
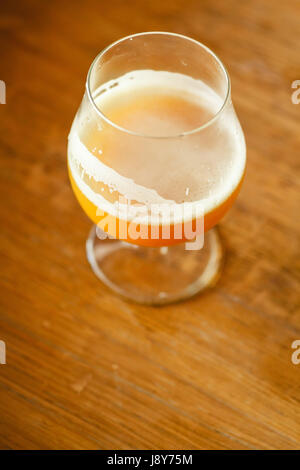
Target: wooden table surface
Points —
{"points": [[87, 370]]}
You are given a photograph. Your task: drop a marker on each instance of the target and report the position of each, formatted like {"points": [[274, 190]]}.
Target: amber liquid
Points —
{"points": [[153, 153]]}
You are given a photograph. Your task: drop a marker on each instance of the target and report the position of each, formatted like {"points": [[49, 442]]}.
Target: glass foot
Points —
{"points": [[155, 276]]}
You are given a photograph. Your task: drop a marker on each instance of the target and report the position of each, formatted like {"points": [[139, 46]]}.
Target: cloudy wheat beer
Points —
{"points": [[156, 153]]}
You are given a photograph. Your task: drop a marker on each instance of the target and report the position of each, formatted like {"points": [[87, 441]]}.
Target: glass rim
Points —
{"points": [[138, 134]]}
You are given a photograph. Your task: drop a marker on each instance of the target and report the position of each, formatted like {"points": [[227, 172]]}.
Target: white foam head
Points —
{"points": [[201, 167]]}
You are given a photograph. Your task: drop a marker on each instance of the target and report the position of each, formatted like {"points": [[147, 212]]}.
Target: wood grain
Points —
{"points": [[87, 370]]}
